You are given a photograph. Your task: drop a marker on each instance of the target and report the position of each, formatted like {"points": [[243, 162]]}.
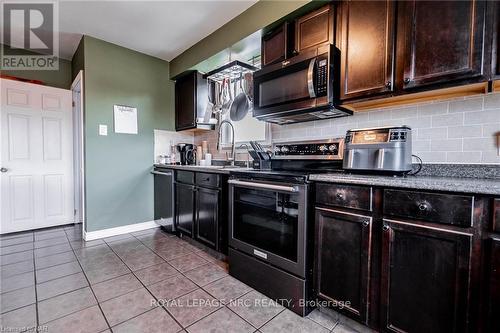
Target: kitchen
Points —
{"points": [[313, 167]]}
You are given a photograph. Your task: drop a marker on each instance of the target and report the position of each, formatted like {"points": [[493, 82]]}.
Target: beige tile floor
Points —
{"points": [[51, 278]]}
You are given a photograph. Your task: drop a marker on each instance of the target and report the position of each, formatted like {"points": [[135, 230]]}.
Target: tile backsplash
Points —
{"points": [[164, 139], [461, 130]]}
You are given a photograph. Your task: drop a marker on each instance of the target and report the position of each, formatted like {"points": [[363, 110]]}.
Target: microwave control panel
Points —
{"points": [[322, 76]]}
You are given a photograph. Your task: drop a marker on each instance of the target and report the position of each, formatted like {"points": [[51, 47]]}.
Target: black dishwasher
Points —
{"points": [[163, 197]]}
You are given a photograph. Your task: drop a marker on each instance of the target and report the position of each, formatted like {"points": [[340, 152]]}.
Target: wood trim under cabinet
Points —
{"points": [[426, 96]]}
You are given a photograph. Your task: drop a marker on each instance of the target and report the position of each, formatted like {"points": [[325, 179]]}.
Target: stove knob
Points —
{"points": [[333, 149], [277, 150], [284, 149], [323, 148]]}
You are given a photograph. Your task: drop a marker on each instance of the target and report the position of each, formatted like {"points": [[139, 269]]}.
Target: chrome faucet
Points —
{"points": [[219, 144]]}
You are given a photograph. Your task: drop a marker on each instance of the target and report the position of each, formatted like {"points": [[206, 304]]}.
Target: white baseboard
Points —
{"points": [[92, 235]]}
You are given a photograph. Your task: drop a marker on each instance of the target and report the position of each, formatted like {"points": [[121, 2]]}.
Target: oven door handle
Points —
{"points": [[310, 78], [282, 188]]}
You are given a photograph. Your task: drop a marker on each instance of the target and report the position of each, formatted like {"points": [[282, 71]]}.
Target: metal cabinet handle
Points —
{"points": [[385, 227], [388, 84], [340, 196], [4, 169], [366, 223], [423, 206], [406, 80]]}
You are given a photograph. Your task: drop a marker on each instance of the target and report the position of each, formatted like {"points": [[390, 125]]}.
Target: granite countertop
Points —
{"points": [[451, 184], [209, 169]]}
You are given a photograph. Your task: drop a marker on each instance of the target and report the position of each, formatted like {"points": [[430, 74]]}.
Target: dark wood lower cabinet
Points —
{"points": [[493, 292], [207, 216], [425, 278], [184, 208], [343, 260]]}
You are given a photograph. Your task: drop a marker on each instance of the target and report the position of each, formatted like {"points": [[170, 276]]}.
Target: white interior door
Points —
{"points": [[36, 178]]}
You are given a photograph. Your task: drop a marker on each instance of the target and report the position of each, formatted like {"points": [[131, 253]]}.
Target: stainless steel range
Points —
{"points": [[271, 222]]}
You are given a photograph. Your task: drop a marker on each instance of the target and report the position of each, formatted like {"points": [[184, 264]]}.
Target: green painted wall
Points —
{"points": [[119, 187], [253, 19], [59, 79]]}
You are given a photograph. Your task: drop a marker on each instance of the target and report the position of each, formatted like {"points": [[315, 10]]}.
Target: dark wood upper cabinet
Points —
{"points": [[425, 278], [314, 29], [190, 99], [440, 42], [493, 11], [342, 267], [365, 31], [275, 45]]}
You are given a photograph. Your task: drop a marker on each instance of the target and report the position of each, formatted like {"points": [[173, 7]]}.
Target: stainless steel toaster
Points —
{"points": [[378, 149]]}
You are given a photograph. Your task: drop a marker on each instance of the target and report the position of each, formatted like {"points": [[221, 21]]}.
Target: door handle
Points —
{"points": [[310, 79], [4, 169]]}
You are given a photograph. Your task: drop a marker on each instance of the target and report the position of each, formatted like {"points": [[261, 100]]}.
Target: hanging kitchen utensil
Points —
{"points": [[227, 97], [248, 85], [240, 105], [211, 100]]}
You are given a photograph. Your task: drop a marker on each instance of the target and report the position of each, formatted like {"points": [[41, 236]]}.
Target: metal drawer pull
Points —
{"points": [[282, 188], [339, 196], [385, 227], [366, 223], [423, 206], [161, 173]]}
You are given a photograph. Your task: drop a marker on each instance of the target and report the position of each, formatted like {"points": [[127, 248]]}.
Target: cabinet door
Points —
{"points": [[274, 45], [425, 278], [440, 41], [207, 216], [493, 295], [493, 7], [366, 44], [184, 208], [342, 267], [185, 102], [314, 29]]}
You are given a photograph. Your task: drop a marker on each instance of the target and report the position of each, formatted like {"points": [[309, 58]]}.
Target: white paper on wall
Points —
{"points": [[125, 119]]}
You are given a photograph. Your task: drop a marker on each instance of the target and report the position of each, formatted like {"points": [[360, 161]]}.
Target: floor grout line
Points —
{"points": [[144, 286], [92, 290]]}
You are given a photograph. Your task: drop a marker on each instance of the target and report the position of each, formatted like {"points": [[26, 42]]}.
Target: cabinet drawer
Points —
{"points": [[432, 207], [356, 197], [207, 179], [186, 177]]}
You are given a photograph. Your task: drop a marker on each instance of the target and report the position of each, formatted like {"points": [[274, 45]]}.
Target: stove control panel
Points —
{"points": [[331, 149]]}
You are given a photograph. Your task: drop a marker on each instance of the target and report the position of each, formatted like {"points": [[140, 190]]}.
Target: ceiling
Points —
{"points": [[163, 29]]}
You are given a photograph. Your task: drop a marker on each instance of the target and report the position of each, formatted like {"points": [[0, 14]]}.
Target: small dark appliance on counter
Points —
{"points": [[380, 149], [300, 89], [271, 221], [186, 153]]}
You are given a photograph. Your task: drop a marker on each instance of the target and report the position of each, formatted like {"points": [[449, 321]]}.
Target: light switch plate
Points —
{"points": [[103, 129]]}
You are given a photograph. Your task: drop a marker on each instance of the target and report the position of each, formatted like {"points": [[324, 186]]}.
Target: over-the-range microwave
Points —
{"points": [[303, 88]]}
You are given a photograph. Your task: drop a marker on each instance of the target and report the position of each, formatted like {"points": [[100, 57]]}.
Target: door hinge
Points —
{"points": [[73, 103], [74, 212]]}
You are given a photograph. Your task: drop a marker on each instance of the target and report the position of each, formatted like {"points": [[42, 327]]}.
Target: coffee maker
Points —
{"points": [[186, 153]]}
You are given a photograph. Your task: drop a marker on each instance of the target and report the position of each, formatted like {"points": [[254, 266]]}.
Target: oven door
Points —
{"points": [[267, 221]]}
